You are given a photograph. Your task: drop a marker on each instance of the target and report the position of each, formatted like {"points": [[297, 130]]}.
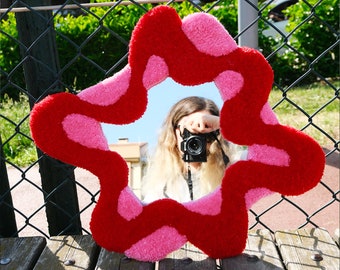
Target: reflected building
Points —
{"points": [[135, 155]]}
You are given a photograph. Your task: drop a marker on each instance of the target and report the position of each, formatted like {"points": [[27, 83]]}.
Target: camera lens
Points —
{"points": [[195, 146]]}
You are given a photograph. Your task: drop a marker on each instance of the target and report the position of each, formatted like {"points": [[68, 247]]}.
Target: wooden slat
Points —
{"points": [[302, 248], [69, 252], [187, 258], [117, 261], [20, 253], [260, 253]]}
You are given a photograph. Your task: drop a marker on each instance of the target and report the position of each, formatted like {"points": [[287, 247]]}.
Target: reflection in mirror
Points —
{"points": [[184, 167]]}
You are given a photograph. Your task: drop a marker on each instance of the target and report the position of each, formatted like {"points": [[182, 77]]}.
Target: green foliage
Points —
{"points": [[9, 58], [18, 147], [311, 40], [94, 44], [318, 34], [91, 44]]}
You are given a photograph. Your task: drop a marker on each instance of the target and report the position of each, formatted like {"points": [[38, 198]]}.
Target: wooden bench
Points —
{"points": [[291, 249]]}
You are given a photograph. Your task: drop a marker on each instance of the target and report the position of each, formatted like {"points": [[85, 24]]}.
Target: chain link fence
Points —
{"points": [[47, 197]]}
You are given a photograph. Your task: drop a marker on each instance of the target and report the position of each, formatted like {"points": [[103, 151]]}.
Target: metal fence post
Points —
{"points": [[8, 226], [247, 23], [41, 69]]}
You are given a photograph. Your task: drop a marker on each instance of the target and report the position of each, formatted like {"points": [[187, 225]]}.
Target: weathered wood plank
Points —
{"points": [[308, 249], [187, 258], [20, 253], [69, 252], [117, 261], [260, 253]]}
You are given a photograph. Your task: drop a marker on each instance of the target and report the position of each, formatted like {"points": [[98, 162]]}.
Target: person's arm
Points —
{"points": [[200, 122]]}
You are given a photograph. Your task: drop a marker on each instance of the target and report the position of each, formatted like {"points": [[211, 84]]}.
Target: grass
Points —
{"points": [[17, 145], [313, 109]]}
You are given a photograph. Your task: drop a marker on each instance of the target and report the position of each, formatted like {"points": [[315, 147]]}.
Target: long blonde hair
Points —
{"points": [[166, 166]]}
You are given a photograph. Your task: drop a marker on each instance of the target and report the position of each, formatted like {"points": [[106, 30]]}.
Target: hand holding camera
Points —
{"points": [[194, 146], [197, 130]]}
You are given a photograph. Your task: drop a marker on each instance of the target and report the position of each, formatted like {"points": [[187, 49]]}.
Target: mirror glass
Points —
{"points": [[126, 139], [161, 98]]}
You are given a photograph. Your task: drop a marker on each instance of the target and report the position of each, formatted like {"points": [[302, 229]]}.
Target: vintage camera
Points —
{"points": [[194, 146]]}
